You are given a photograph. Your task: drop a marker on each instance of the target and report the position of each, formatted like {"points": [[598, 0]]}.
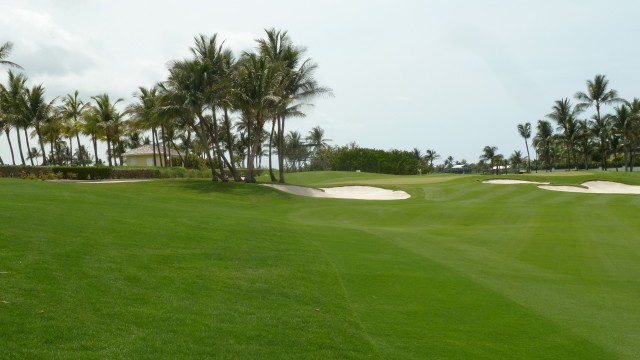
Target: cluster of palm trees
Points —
{"points": [[576, 142], [191, 113]]}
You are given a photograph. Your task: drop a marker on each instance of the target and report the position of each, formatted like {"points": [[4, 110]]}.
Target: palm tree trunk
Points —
{"points": [[164, 146], [153, 145], [159, 152], [528, 156], [213, 130], [26, 137], [20, 145], [232, 167], [109, 150], [44, 156], [7, 131], [205, 143], [178, 151], [94, 140], [273, 128], [80, 155], [70, 149], [281, 151]]}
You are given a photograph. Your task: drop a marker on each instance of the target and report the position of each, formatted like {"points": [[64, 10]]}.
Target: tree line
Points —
{"points": [[565, 139], [213, 108]]}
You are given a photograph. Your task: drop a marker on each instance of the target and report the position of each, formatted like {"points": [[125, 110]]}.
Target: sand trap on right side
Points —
{"points": [[596, 187]]}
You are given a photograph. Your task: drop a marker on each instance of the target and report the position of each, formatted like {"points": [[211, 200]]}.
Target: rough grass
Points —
{"points": [[193, 269]]}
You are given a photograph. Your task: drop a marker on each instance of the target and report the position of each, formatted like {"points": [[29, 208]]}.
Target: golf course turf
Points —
{"points": [[196, 269]]}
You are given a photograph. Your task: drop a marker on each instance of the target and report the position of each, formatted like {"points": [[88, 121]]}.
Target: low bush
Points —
{"points": [[135, 173], [84, 172]]}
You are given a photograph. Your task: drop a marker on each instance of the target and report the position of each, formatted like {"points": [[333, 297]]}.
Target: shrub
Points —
{"points": [[84, 172], [22, 171], [396, 162], [135, 173]]}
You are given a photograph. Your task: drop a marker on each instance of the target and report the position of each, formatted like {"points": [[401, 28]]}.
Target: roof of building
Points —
{"points": [[142, 150]]}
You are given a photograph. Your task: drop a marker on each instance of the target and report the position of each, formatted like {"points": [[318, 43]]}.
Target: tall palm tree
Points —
{"points": [[12, 99], [298, 84], [108, 118], [525, 131], [183, 95], [564, 114], [36, 112], [585, 141], [544, 140], [91, 127], [5, 50], [622, 123], [634, 139], [601, 128], [144, 114], [214, 64], [71, 111], [256, 96], [597, 94]]}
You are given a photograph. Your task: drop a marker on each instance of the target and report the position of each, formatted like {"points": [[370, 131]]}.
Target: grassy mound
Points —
{"points": [[195, 269]]}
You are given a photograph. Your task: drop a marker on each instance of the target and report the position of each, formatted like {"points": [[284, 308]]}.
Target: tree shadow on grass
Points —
{"points": [[229, 188]]}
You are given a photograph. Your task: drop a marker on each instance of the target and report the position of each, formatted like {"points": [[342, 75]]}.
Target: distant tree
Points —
{"points": [[71, 110], [489, 154], [516, 160], [564, 114], [544, 141], [429, 157], [525, 131]]}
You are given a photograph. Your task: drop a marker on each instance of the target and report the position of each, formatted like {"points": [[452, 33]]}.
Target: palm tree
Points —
{"points": [[108, 118], [182, 95], [36, 113], [544, 140], [144, 114], [297, 83], [12, 102], [5, 50], [489, 154], [525, 131], [564, 114], [601, 128], [430, 156], [597, 94], [71, 110], [516, 159], [585, 141], [622, 123], [214, 63], [316, 139], [256, 97]]}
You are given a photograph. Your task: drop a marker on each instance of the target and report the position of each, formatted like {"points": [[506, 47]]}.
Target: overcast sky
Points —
{"points": [[452, 76]]}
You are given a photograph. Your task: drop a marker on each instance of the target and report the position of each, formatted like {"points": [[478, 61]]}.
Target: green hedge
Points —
{"points": [[23, 171], [83, 172], [396, 162], [120, 173]]}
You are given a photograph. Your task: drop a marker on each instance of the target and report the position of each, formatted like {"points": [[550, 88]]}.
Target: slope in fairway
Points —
{"points": [[193, 269]]}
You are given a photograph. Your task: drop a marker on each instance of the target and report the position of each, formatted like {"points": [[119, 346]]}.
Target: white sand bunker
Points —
{"points": [[511, 182], [344, 192], [596, 187]]}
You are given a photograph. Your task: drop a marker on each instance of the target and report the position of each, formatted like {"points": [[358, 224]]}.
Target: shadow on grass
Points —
{"points": [[229, 188]]}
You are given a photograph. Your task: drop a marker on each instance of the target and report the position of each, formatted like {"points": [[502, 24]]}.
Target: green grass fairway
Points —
{"points": [[194, 269]]}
